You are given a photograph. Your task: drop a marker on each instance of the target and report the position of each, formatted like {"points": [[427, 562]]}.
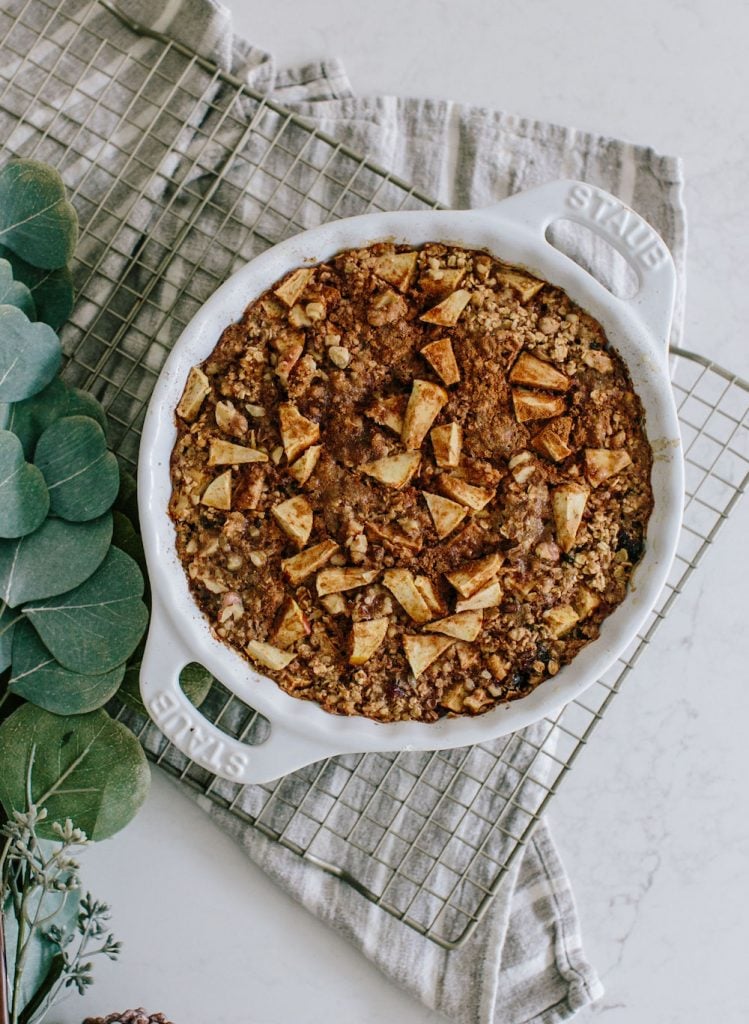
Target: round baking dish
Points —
{"points": [[514, 230]]}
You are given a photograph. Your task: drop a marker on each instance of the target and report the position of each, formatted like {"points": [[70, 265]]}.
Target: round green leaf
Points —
{"points": [[83, 403], [30, 355], [82, 475], [15, 293], [126, 539], [85, 767], [41, 679], [127, 498], [8, 620], [53, 559], [97, 625], [36, 220], [24, 501], [51, 290], [30, 418]]}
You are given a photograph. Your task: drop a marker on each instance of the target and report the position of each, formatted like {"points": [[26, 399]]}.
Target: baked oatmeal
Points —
{"points": [[410, 482]]}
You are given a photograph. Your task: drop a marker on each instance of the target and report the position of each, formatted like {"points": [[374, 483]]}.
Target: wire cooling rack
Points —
{"points": [[180, 174]]}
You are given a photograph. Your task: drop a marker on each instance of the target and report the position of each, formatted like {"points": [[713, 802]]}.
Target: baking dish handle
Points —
{"points": [[626, 231], [203, 742]]}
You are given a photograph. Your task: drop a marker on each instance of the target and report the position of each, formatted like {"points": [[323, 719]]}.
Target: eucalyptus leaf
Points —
{"points": [[52, 560], [97, 625], [15, 293], [24, 499], [81, 473], [30, 355], [30, 418], [85, 767], [36, 219], [8, 620], [126, 539], [195, 681], [127, 498], [43, 681], [51, 290]]}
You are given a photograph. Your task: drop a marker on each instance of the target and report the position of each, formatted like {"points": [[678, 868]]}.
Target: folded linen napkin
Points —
{"points": [[524, 962]]}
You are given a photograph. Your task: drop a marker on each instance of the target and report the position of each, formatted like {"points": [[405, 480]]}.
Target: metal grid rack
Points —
{"points": [[180, 174]]}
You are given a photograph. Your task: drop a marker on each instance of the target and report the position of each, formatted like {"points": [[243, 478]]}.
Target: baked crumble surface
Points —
{"points": [[410, 482]]}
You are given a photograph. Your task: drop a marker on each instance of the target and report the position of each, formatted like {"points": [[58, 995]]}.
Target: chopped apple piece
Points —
{"points": [[530, 405], [334, 581], [401, 584], [473, 576], [488, 597], [561, 620], [388, 412], [586, 601], [454, 698], [473, 497], [334, 604], [440, 356], [462, 626], [304, 466], [295, 518], [218, 492], [422, 651], [292, 288], [393, 538], [524, 284], [268, 655], [396, 268], [297, 432], [522, 467], [552, 440], [224, 453], [299, 567], [436, 283], [537, 373], [447, 313], [196, 388], [446, 514], [393, 470], [230, 420], [601, 463], [291, 624], [424, 405], [426, 588], [366, 637], [290, 348], [447, 442], [568, 504]]}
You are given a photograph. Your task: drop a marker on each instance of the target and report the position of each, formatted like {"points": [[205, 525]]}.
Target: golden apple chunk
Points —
{"points": [[440, 356], [291, 624], [601, 463], [553, 440], [299, 567], [401, 584], [396, 268], [464, 493], [423, 407], [393, 470], [537, 373], [489, 596], [446, 514], [335, 581], [568, 503], [295, 518], [462, 626], [561, 620], [290, 291], [218, 492], [224, 453], [197, 387], [447, 313], [524, 284], [447, 442], [532, 405], [422, 651], [268, 655], [471, 577], [297, 432], [388, 412], [366, 637], [304, 466]]}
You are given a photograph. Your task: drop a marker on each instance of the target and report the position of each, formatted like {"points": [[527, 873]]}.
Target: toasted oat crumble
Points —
{"points": [[410, 483]]}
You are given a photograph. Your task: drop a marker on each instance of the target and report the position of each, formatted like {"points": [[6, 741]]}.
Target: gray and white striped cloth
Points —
{"points": [[524, 964]]}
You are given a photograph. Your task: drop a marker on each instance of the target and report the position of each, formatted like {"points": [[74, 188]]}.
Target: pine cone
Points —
{"points": [[139, 1016]]}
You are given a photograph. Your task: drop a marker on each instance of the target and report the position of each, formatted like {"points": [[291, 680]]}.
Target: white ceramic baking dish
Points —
{"points": [[514, 230]]}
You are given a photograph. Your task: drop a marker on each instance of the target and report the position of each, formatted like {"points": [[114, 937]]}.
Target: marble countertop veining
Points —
{"points": [[652, 823]]}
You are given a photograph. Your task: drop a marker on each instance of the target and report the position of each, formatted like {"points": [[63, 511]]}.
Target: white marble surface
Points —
{"points": [[653, 822]]}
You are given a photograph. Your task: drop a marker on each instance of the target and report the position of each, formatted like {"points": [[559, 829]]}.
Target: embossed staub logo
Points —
{"points": [[621, 224], [187, 732]]}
